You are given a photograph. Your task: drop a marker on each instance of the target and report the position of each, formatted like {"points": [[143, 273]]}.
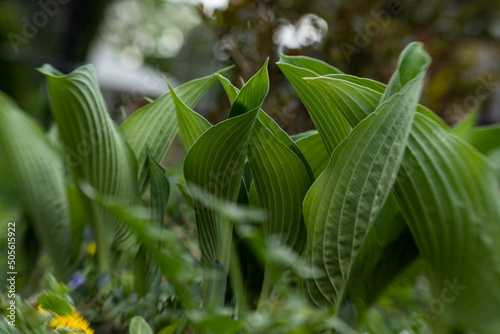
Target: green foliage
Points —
{"points": [[139, 326], [334, 215]]}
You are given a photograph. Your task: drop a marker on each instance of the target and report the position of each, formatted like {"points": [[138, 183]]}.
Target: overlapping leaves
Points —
{"points": [[449, 198]]}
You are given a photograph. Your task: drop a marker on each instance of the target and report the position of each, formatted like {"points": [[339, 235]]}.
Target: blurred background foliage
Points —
{"points": [[184, 39]]}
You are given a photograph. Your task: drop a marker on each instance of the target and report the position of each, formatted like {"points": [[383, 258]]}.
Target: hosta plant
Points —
{"points": [[297, 234]]}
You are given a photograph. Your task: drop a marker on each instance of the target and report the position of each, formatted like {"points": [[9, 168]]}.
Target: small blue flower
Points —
{"points": [[77, 280]]}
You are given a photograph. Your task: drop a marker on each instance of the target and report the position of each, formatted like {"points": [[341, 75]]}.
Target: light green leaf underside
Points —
{"points": [[39, 176], [154, 126], [346, 198], [96, 152]]}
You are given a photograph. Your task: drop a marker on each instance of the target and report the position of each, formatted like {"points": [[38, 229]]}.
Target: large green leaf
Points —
{"points": [[345, 200], [450, 201], [215, 165], [270, 124], [281, 176], [387, 251], [154, 126], [281, 182], [331, 124], [34, 166], [96, 152]]}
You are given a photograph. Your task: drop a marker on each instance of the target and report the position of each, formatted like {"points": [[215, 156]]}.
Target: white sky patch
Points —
{"points": [[210, 6], [308, 30]]}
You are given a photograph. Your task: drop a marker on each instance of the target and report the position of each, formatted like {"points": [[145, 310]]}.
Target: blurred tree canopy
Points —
{"points": [[192, 38], [363, 38]]}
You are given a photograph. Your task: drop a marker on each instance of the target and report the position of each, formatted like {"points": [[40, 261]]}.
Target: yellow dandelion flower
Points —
{"points": [[91, 249], [73, 323], [43, 312]]}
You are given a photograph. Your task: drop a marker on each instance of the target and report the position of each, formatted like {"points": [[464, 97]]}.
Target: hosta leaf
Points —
{"points": [[270, 124], [486, 139], [191, 124], [281, 182], [215, 164], [299, 136], [387, 251], [160, 190], [466, 127], [317, 66], [146, 272], [154, 126], [95, 150], [314, 152], [324, 111], [346, 198], [331, 124], [231, 91], [449, 199], [252, 94], [34, 166]]}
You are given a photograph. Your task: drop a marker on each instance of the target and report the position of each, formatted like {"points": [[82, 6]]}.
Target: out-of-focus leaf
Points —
{"points": [[139, 326], [465, 128], [55, 304], [35, 168], [95, 150], [170, 329]]}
